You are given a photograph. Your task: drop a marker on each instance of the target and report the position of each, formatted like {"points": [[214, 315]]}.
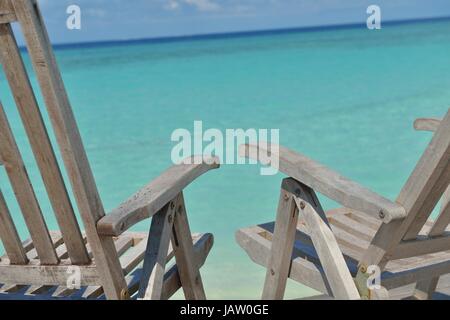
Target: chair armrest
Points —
{"points": [[427, 124], [153, 197], [327, 182]]}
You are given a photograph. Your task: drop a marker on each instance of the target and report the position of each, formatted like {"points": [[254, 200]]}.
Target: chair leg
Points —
{"points": [[330, 255], [424, 289], [152, 279], [282, 243], [189, 271]]}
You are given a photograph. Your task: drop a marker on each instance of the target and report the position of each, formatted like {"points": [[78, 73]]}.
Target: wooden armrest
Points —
{"points": [[427, 124], [150, 199], [327, 182]]}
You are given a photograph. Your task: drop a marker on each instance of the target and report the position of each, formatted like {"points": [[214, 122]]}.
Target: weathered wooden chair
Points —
{"points": [[104, 259], [337, 252]]}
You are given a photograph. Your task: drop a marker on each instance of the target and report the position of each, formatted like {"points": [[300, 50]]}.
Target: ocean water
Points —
{"points": [[346, 97]]}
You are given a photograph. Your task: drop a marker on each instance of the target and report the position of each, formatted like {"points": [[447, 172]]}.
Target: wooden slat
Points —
{"points": [[156, 253], [352, 226], [282, 243], [365, 219], [258, 248], [202, 245], [133, 257], [331, 258], [7, 14], [61, 251], [427, 124], [419, 196], [122, 244], [129, 260], [416, 274], [421, 246], [31, 255], [188, 270], [309, 274], [24, 192], [172, 279], [443, 220], [10, 238], [56, 240], [36, 274], [71, 146], [150, 199], [425, 288], [45, 157], [28, 247], [326, 181], [435, 163], [302, 244]]}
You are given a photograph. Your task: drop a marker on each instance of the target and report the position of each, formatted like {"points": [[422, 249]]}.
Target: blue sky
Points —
{"points": [[128, 19]]}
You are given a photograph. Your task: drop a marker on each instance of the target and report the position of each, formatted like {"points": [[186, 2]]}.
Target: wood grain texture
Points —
{"points": [[188, 269], [427, 124], [107, 274], [325, 243], [36, 274], [419, 196], [25, 99], [10, 238], [20, 182], [282, 244], [150, 199], [443, 220], [71, 146], [327, 182], [156, 254]]}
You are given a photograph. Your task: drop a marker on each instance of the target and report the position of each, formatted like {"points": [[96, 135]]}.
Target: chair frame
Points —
{"points": [[398, 237], [45, 259]]}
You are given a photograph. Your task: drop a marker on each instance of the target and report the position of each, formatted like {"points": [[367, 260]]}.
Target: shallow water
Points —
{"points": [[345, 97]]}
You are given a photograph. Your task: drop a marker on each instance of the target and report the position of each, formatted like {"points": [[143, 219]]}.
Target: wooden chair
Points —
{"points": [[104, 258], [337, 252]]}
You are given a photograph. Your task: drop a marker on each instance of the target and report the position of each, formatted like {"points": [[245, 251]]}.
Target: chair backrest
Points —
{"points": [[90, 207], [413, 235], [427, 185]]}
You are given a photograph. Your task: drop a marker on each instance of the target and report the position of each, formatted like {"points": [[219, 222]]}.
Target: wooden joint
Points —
{"points": [[124, 294]]}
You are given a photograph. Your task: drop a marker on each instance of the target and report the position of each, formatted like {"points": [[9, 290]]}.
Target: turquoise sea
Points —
{"points": [[346, 97]]}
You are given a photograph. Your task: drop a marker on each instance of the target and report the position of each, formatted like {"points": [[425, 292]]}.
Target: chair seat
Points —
{"points": [[353, 231], [130, 247]]}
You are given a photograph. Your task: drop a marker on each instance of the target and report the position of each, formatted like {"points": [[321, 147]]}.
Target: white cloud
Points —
{"points": [[200, 5], [172, 5], [203, 5]]}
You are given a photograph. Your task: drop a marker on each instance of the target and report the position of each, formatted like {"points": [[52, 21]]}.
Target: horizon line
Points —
{"points": [[237, 34]]}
